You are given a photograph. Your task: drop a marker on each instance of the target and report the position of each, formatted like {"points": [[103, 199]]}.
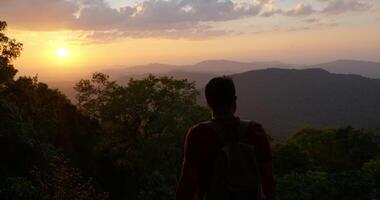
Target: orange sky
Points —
{"points": [[289, 31]]}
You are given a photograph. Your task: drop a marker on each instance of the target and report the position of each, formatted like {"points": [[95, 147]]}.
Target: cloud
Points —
{"points": [[341, 6], [321, 22], [181, 14], [327, 23], [193, 19], [331, 7], [313, 24], [196, 33], [312, 20], [96, 15], [300, 10], [38, 14], [270, 9], [376, 10], [148, 18]]}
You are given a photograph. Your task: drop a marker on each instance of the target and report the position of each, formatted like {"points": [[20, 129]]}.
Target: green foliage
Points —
{"points": [[10, 49], [60, 180], [23, 155], [36, 124], [328, 164], [337, 149], [351, 185], [145, 123], [372, 169], [95, 96], [325, 186], [290, 158], [309, 186], [143, 108], [18, 188]]}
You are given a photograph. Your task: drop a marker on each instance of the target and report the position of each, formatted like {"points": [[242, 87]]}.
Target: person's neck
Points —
{"points": [[223, 115]]}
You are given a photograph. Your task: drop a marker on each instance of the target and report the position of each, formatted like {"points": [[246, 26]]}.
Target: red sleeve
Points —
{"points": [[187, 185], [259, 139], [192, 151]]}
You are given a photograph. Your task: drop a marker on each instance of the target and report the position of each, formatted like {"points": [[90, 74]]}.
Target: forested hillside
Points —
{"points": [[125, 142], [288, 99]]}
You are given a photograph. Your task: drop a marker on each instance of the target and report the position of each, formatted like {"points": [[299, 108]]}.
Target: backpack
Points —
{"points": [[234, 174]]}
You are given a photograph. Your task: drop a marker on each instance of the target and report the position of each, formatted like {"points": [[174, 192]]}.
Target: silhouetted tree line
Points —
{"points": [[125, 142]]}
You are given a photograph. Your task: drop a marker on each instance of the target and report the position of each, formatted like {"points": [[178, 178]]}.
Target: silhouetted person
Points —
{"points": [[226, 158]]}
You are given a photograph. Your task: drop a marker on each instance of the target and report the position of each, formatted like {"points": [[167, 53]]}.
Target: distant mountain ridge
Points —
{"points": [[363, 68], [217, 67], [228, 67], [203, 71], [285, 100]]}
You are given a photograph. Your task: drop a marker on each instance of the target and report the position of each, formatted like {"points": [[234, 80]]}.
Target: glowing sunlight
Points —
{"points": [[62, 53]]}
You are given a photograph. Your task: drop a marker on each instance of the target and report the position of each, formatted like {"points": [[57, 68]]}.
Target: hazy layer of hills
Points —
{"points": [[363, 68], [285, 100], [203, 71], [281, 98], [208, 66], [200, 73]]}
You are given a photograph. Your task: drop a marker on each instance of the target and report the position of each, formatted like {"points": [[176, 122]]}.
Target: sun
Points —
{"points": [[63, 52]]}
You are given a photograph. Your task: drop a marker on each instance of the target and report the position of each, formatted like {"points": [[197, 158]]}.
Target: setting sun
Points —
{"points": [[63, 52]]}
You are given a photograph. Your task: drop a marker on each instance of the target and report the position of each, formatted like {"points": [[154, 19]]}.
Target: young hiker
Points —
{"points": [[226, 158]]}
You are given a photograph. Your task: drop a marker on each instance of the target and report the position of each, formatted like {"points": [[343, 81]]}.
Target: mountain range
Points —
{"points": [[208, 66], [363, 68], [201, 72], [283, 98]]}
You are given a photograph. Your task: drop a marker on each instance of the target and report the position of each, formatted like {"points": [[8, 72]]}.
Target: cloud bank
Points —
{"points": [[152, 18], [332, 7]]}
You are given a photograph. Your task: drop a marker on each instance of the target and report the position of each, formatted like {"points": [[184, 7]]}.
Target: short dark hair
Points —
{"points": [[220, 93]]}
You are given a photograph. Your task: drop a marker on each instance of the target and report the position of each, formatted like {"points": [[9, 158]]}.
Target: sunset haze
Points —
{"points": [[102, 34]]}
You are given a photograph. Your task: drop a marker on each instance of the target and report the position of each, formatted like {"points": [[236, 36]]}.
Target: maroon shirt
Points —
{"points": [[202, 144]]}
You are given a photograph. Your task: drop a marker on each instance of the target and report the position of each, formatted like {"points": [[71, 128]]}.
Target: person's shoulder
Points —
{"points": [[255, 134], [197, 133], [255, 127], [251, 123], [199, 127]]}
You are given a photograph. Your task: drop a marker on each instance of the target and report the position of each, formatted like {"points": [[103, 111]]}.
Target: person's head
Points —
{"points": [[220, 95]]}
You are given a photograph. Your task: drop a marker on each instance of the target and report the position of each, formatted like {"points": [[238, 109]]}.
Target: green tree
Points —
{"points": [[312, 185], [144, 108], [145, 122], [96, 96], [372, 169], [350, 185], [37, 124], [336, 150], [10, 49], [290, 158]]}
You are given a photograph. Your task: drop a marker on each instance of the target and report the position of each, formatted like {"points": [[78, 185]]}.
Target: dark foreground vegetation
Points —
{"points": [[125, 142]]}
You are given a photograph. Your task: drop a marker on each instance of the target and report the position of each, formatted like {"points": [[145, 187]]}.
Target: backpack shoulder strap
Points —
{"points": [[243, 128], [216, 128]]}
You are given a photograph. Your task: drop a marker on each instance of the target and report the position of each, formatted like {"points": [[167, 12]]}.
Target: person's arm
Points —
{"points": [[189, 178], [264, 160], [267, 180], [187, 184]]}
